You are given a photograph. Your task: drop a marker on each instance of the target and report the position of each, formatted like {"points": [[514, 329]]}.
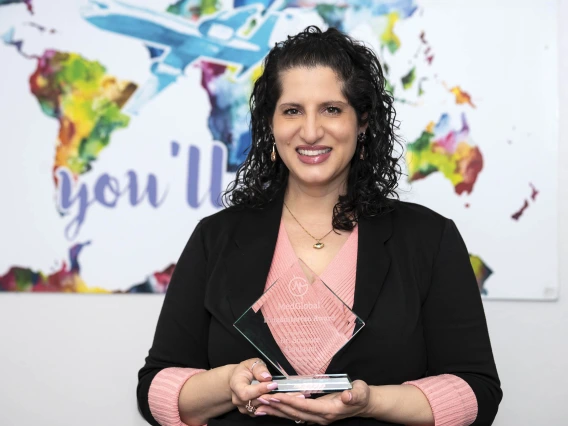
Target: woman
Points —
{"points": [[318, 184]]}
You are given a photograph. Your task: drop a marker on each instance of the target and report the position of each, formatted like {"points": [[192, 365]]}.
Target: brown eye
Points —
{"points": [[291, 111], [333, 110]]}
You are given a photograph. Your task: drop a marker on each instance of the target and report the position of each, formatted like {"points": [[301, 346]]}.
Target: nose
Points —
{"points": [[312, 130]]}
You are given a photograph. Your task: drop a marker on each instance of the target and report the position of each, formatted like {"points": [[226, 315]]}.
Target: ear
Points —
{"points": [[363, 128]]}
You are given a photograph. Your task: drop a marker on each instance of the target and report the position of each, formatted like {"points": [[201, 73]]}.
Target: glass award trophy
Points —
{"points": [[299, 324]]}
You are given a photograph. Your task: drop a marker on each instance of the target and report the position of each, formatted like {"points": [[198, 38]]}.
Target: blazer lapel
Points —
{"points": [[373, 262], [249, 265]]}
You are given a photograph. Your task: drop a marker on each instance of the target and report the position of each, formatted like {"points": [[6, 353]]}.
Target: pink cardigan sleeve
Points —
{"points": [[452, 400], [163, 395]]}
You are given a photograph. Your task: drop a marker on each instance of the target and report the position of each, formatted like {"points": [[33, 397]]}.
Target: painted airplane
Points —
{"points": [[174, 42]]}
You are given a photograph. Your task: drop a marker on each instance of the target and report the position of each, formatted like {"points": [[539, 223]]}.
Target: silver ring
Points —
{"points": [[254, 363], [250, 408]]}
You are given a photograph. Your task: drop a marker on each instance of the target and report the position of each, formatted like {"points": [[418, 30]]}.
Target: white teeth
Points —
{"points": [[311, 153]]}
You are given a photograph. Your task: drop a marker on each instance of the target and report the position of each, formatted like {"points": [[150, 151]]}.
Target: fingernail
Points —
{"points": [[274, 399], [300, 396], [350, 396], [266, 375], [272, 386], [264, 401], [259, 413]]}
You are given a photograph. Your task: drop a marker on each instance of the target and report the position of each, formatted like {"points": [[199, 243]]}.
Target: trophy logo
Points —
{"points": [[298, 286]]}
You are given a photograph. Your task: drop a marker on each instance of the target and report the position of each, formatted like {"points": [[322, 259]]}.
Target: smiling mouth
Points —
{"points": [[313, 153]]}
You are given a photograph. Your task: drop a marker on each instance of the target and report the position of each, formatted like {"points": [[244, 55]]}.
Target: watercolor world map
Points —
{"points": [[224, 43]]}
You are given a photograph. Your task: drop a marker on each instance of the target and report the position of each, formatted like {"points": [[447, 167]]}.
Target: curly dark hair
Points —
{"points": [[371, 182]]}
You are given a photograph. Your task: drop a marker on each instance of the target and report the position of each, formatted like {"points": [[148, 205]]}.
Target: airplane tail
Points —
{"points": [[260, 38], [262, 35]]}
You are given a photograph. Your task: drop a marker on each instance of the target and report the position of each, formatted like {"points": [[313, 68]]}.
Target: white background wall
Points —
{"points": [[73, 359]]}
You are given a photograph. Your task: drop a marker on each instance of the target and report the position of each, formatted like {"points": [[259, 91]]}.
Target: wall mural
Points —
{"points": [[124, 121]]}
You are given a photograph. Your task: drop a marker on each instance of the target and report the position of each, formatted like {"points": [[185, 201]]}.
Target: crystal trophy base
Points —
{"points": [[318, 383]]}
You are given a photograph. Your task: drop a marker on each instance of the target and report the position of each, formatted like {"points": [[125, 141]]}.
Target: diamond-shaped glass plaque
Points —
{"points": [[300, 322]]}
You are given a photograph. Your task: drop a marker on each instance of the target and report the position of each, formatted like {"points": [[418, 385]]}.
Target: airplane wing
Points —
{"points": [[168, 63]]}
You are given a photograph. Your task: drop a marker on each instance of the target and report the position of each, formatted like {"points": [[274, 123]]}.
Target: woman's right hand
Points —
{"points": [[245, 393]]}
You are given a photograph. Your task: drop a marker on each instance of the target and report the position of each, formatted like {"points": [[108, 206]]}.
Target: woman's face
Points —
{"points": [[315, 128]]}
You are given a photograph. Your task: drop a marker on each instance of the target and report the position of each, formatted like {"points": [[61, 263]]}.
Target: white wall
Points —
{"points": [[73, 359]]}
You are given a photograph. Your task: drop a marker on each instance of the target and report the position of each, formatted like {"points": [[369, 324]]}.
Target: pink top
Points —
{"points": [[452, 400]]}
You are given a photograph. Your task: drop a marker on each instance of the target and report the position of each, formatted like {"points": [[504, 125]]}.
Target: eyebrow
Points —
{"points": [[297, 105]]}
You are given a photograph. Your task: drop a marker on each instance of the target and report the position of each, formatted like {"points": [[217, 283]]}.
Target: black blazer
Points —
{"points": [[415, 290]]}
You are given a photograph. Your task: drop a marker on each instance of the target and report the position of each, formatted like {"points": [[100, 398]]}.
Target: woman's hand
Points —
{"points": [[324, 410], [246, 397]]}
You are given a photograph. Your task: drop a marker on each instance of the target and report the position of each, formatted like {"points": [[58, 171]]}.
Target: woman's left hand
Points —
{"points": [[324, 410]]}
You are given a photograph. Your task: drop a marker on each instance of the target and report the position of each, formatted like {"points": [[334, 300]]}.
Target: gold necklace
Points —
{"points": [[319, 244]]}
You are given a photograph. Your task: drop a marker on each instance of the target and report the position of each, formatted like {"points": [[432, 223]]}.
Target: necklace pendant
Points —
{"points": [[318, 245]]}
